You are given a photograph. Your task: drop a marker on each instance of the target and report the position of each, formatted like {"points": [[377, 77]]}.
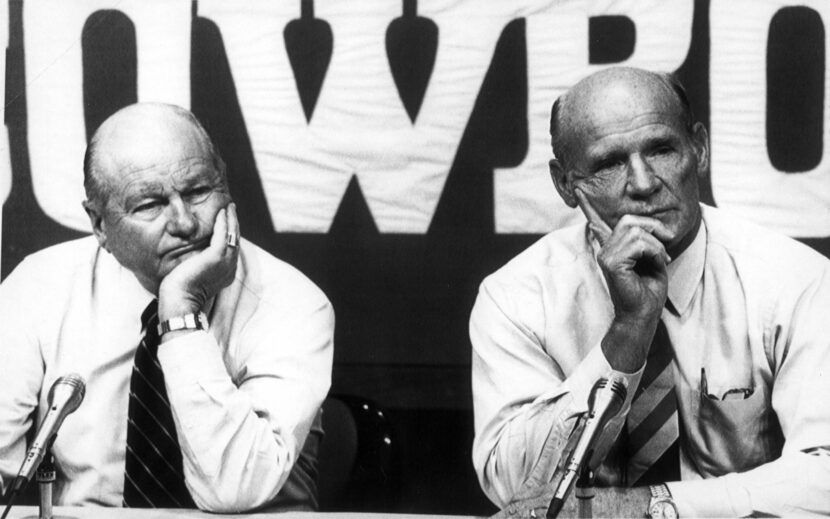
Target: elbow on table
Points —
{"points": [[235, 498], [495, 481]]}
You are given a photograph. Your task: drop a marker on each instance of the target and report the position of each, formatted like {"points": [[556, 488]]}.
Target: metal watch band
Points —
{"points": [[184, 322], [661, 504], [660, 490]]}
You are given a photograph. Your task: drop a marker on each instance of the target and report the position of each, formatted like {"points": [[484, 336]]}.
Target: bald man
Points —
{"points": [[715, 327], [205, 358]]}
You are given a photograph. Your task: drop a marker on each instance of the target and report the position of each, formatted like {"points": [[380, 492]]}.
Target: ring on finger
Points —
{"points": [[232, 239]]}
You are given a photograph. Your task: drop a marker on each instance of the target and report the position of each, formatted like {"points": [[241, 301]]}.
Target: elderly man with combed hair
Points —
{"points": [[716, 328], [205, 358]]}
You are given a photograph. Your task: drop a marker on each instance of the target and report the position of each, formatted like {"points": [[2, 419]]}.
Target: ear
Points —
{"points": [[563, 185], [96, 221], [700, 138]]}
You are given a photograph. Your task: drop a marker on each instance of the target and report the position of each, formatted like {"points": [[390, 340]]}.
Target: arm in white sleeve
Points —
{"points": [[525, 406], [240, 438], [798, 482], [21, 366]]}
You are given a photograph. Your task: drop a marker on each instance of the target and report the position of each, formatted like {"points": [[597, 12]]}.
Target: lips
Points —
{"points": [[197, 245], [652, 213]]}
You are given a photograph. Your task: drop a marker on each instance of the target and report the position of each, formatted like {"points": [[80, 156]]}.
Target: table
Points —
{"points": [[72, 512]]}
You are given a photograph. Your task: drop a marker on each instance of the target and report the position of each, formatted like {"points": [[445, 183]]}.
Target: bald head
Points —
{"points": [[139, 134], [611, 93]]}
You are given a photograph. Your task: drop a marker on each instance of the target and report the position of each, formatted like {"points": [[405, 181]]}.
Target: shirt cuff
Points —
{"points": [[192, 357], [709, 498], [592, 368]]}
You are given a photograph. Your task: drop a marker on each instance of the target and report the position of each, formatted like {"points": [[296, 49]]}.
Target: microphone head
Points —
{"points": [[608, 395], [67, 392]]}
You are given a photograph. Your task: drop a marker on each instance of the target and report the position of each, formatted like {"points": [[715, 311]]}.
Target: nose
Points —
{"points": [[181, 221], [642, 180]]}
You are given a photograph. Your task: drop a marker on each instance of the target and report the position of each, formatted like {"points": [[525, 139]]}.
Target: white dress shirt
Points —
{"points": [[244, 394], [751, 342]]}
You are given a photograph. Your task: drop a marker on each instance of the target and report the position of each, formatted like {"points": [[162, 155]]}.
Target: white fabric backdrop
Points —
{"points": [[361, 128]]}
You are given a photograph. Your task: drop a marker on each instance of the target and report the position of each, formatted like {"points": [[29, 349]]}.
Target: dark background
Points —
{"points": [[402, 300]]}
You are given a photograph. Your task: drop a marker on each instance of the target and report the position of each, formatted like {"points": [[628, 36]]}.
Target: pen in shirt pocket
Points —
{"points": [[738, 393]]}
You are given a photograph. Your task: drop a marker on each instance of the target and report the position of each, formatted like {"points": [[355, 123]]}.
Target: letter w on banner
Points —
{"points": [[359, 125]]}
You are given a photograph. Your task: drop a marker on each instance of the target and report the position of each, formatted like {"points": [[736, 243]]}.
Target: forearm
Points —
{"points": [[17, 407], [237, 455], [794, 484], [527, 398], [21, 371], [529, 445], [525, 455], [607, 502], [627, 342]]}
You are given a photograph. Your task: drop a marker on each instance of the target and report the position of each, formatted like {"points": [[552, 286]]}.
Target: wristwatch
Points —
{"points": [[661, 504], [184, 322]]}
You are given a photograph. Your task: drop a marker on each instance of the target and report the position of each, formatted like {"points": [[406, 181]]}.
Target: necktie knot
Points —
{"points": [[150, 314], [149, 327]]}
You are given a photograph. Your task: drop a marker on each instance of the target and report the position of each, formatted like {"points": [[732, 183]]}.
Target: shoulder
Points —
{"points": [[553, 268], [56, 265], [274, 281], [554, 254], [42, 286], [749, 245], [764, 260]]}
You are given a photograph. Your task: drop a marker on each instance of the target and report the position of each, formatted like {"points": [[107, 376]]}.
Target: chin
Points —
{"points": [[168, 266]]}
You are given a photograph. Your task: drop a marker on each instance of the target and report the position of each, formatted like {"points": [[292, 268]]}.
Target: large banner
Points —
{"points": [[396, 151]]}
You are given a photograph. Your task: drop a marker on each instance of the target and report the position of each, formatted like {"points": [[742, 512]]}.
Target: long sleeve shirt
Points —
{"points": [[244, 394], [751, 342]]}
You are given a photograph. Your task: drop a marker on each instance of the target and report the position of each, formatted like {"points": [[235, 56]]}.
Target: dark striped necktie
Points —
{"points": [[153, 474], [652, 423]]}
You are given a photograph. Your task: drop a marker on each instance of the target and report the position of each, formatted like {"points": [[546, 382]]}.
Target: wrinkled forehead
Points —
{"points": [[607, 105], [144, 145]]}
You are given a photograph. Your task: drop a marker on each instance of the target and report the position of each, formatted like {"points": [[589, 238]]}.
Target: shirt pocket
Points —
{"points": [[735, 429]]}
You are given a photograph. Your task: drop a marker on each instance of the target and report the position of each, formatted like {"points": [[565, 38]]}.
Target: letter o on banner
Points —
{"points": [[5, 157], [744, 179], [54, 83]]}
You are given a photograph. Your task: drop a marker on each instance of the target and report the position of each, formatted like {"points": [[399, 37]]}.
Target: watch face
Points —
{"points": [[663, 509]]}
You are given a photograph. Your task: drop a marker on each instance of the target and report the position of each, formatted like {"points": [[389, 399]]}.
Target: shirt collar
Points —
{"points": [[686, 270], [135, 291]]}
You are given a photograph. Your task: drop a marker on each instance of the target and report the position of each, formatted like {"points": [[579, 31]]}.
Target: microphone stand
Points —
{"points": [[604, 403], [585, 494], [45, 477]]}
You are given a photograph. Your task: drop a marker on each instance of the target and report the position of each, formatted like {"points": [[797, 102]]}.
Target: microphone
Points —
{"points": [[65, 395], [604, 403]]}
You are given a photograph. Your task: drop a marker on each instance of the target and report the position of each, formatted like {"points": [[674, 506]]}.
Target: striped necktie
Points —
{"points": [[652, 423], [153, 474]]}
